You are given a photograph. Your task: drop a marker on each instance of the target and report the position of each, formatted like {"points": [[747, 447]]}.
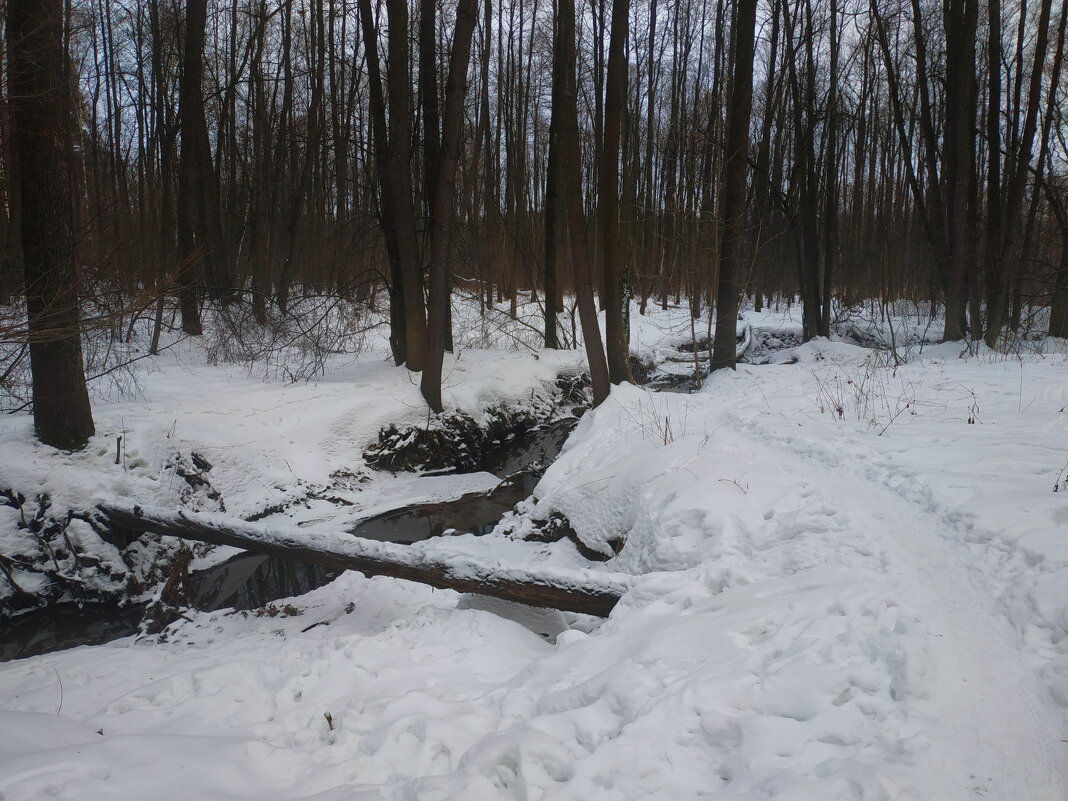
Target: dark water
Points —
{"points": [[250, 581], [533, 451], [474, 513], [66, 627]]}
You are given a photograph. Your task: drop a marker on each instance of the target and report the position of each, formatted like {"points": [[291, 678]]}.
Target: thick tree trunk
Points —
{"points": [[565, 104], [611, 251], [200, 237], [40, 108], [587, 592], [732, 208], [960, 19], [399, 176], [444, 185]]}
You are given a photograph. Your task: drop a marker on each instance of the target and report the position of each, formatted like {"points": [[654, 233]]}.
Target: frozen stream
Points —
{"points": [[250, 581]]}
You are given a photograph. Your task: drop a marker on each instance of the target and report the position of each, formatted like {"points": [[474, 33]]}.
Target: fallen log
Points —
{"points": [[586, 591], [688, 356]]}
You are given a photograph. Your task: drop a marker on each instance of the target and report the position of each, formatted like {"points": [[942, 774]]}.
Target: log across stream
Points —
{"points": [[252, 580], [584, 591]]}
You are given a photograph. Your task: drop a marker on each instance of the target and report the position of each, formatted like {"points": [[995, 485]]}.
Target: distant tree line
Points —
{"points": [[228, 152]]}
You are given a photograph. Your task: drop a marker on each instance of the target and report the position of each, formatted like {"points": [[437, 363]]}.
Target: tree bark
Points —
{"points": [[732, 208], [40, 108], [611, 252], [1058, 310], [400, 178], [200, 237], [960, 20], [554, 216], [398, 332], [565, 104], [444, 185]]}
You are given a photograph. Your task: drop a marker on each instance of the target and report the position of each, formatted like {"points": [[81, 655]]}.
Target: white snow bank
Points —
{"points": [[841, 588]]}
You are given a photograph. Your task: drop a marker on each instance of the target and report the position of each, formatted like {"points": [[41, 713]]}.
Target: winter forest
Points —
{"points": [[407, 400]]}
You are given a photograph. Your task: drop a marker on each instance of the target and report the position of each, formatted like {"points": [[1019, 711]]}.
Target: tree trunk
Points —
{"points": [[200, 238], [553, 217], [732, 207], [565, 104], [400, 178], [611, 252], [398, 332], [830, 213], [1058, 309], [960, 20], [40, 108], [442, 214]]}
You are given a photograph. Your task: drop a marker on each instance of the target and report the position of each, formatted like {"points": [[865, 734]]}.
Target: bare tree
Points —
{"points": [[443, 185], [565, 104], [41, 129], [732, 209], [612, 254], [201, 247]]}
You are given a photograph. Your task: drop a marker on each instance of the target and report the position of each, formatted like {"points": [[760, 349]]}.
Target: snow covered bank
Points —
{"points": [[209, 438], [849, 581]]}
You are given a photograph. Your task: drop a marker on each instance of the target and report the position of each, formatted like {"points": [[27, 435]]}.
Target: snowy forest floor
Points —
{"points": [[850, 582]]}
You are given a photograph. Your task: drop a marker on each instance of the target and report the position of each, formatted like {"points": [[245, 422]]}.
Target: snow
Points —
{"points": [[270, 444], [848, 580]]}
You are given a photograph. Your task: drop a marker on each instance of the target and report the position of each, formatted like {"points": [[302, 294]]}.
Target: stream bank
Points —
{"points": [[514, 442], [252, 581]]}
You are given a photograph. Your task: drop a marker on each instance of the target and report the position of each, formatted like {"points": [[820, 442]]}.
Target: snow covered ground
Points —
{"points": [[850, 581], [269, 444]]}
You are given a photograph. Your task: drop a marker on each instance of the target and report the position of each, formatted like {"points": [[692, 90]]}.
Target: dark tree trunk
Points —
{"points": [[399, 176], [565, 105], [960, 19], [732, 208], [200, 237], [428, 88], [189, 271], [553, 218], [992, 262], [830, 214], [611, 251], [165, 133], [398, 333], [444, 185], [1058, 310], [40, 109]]}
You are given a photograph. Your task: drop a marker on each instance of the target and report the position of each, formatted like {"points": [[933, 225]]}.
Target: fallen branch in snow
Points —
{"points": [[5, 569], [585, 591]]}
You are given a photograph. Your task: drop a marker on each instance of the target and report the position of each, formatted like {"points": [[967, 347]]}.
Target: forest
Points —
{"points": [[408, 400], [270, 160]]}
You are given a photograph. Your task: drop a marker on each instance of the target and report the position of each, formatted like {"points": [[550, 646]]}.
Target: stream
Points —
{"points": [[250, 581]]}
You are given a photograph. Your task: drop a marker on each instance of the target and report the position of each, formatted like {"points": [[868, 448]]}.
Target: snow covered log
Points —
{"points": [[585, 591]]}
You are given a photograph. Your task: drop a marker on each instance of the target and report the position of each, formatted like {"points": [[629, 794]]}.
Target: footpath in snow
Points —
{"points": [[850, 581]]}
